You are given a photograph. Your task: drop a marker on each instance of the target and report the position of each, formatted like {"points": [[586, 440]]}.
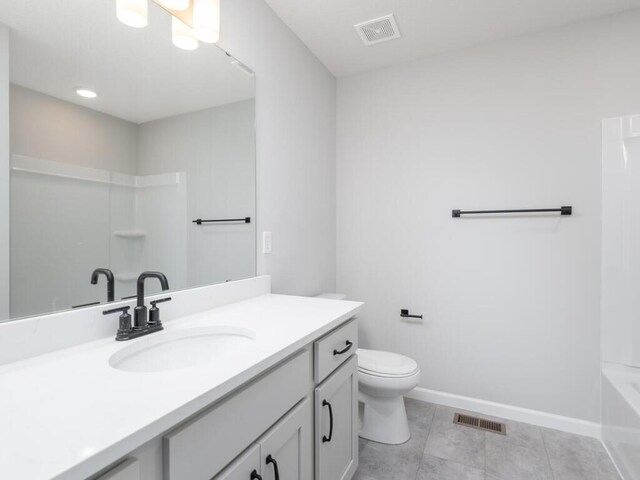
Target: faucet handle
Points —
{"points": [[160, 300], [116, 310], [154, 311], [124, 327]]}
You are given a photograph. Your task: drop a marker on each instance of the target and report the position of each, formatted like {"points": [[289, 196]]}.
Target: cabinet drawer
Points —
{"points": [[204, 445], [334, 348]]}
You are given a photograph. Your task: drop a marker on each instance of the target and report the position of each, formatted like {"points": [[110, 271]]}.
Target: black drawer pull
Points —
{"points": [[270, 459], [344, 350], [255, 476], [324, 437]]}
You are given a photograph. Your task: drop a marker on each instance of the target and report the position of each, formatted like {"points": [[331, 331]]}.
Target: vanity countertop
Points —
{"points": [[68, 414]]}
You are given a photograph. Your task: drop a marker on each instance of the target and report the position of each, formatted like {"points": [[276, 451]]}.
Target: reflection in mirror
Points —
{"points": [[118, 142]]}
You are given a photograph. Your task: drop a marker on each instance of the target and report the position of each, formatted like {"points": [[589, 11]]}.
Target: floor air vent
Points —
{"points": [[480, 423]]}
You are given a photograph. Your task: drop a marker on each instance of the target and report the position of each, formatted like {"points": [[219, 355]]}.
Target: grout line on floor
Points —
{"points": [[415, 477], [424, 447], [546, 451], [484, 447]]}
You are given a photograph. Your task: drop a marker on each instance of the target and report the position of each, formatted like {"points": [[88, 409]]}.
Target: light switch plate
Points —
{"points": [[266, 242]]}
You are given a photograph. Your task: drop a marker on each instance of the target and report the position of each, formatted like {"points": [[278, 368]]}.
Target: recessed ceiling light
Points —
{"points": [[86, 93]]}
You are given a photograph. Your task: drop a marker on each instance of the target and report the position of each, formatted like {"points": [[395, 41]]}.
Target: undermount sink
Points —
{"points": [[182, 349]]}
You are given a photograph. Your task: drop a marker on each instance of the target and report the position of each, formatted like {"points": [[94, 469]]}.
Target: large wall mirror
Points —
{"points": [[118, 180]]}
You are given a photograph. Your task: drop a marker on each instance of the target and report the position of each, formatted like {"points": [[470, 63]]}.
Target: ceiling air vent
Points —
{"points": [[378, 30]]}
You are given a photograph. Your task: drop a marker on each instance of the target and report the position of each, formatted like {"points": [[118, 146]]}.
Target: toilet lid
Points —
{"points": [[378, 362]]}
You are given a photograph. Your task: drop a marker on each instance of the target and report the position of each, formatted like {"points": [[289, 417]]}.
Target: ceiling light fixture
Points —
{"points": [[206, 20], [86, 93], [175, 4], [191, 21], [182, 35], [133, 13]]}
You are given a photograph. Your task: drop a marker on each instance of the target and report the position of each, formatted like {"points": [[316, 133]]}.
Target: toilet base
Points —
{"points": [[384, 420]]}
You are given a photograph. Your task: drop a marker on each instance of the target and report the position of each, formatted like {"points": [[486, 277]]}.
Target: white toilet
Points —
{"points": [[383, 380]]}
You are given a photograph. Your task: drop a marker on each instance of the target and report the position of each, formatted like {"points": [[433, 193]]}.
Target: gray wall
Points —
{"points": [[295, 115], [47, 128], [4, 173], [511, 305], [216, 150]]}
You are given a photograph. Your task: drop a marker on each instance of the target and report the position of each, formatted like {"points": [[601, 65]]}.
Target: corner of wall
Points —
{"points": [[4, 172]]}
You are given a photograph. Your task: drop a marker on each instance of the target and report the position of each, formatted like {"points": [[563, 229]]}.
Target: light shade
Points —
{"points": [[206, 20], [132, 12], [175, 4], [86, 93], [182, 35]]}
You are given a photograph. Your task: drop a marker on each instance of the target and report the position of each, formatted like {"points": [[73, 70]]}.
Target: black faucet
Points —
{"points": [[110, 282], [140, 312], [141, 325]]}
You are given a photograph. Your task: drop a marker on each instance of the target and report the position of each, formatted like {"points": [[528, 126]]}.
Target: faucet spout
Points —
{"points": [[140, 312], [164, 283], [110, 281]]}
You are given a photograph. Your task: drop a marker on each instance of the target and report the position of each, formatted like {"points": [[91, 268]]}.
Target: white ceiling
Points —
{"points": [[138, 73], [428, 27]]}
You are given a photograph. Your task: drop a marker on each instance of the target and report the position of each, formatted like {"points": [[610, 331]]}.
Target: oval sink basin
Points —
{"points": [[182, 349]]}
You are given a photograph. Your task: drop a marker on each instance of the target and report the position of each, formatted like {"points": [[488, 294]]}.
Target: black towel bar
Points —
{"points": [[566, 210], [199, 221]]}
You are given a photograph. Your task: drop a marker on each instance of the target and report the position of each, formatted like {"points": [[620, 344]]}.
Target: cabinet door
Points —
{"points": [[336, 414], [286, 449], [245, 467]]}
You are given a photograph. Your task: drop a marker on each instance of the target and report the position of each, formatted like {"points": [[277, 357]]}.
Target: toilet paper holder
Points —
{"points": [[405, 314]]}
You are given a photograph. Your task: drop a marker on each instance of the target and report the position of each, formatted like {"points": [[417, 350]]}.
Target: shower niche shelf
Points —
{"points": [[129, 234], [126, 277]]}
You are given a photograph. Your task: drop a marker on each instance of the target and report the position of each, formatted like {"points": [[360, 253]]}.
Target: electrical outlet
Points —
{"points": [[266, 242]]}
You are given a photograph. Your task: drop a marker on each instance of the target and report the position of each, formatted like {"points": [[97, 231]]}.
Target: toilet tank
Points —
{"points": [[332, 296]]}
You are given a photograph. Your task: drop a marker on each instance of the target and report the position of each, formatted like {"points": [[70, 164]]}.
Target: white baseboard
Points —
{"points": [[509, 412]]}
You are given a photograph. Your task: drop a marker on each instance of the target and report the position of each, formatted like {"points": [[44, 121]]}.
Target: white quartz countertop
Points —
{"points": [[68, 414]]}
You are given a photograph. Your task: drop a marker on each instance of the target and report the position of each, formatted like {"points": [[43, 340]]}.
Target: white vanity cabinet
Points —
{"points": [[295, 421]]}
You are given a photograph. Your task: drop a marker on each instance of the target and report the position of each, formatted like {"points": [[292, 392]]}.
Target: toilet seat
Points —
{"points": [[383, 375], [385, 364]]}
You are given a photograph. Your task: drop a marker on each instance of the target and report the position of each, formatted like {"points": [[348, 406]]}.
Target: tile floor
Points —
{"points": [[440, 450]]}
